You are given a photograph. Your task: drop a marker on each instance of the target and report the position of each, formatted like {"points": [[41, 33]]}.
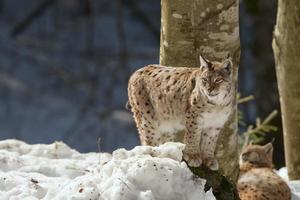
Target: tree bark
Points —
{"points": [[210, 28], [286, 46]]}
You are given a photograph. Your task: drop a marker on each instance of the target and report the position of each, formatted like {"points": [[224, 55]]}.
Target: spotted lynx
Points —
{"points": [[165, 100], [257, 180]]}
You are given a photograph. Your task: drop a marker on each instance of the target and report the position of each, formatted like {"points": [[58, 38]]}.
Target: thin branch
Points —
{"points": [[90, 27], [260, 128], [123, 51], [270, 117], [140, 15], [99, 148], [31, 17], [245, 99]]}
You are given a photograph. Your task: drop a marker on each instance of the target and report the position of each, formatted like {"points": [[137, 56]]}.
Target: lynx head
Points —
{"points": [[257, 156], [216, 79]]}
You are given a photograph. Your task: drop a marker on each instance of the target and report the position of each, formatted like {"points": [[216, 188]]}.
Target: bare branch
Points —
{"points": [[29, 19]]}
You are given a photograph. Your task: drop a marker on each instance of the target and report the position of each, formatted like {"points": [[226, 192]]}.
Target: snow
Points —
{"points": [[294, 185], [55, 171], [283, 173]]}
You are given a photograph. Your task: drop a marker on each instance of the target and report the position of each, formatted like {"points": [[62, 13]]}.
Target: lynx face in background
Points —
{"points": [[257, 156], [196, 101], [257, 180]]}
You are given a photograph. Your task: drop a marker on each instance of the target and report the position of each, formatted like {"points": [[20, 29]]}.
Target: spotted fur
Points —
{"points": [[167, 100], [257, 180]]}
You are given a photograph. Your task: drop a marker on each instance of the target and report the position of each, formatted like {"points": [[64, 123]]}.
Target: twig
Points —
{"points": [[260, 128], [99, 150], [131, 4], [241, 101], [29, 19], [90, 27], [123, 52], [245, 99], [270, 117]]}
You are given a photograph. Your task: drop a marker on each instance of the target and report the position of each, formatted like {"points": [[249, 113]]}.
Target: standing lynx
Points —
{"points": [[166, 100]]}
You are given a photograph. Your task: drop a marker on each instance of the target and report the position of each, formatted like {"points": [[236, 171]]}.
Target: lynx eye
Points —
{"points": [[205, 80], [218, 80]]}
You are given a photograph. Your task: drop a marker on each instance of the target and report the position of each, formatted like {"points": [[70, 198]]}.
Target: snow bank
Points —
{"points": [[294, 185], [56, 171]]}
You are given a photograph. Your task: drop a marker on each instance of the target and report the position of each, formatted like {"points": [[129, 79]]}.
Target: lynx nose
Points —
{"points": [[212, 91]]}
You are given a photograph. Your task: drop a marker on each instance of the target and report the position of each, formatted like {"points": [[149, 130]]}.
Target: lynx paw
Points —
{"points": [[212, 164], [193, 159]]}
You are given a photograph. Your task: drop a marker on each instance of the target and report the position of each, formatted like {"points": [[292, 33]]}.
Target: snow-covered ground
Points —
{"points": [[294, 185], [56, 171]]}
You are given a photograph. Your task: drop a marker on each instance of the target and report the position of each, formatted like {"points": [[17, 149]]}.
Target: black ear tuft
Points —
{"points": [[228, 56], [227, 66], [269, 148]]}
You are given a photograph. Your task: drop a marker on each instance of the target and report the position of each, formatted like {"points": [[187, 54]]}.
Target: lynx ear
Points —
{"points": [[268, 148], [227, 66], [203, 63], [228, 56]]}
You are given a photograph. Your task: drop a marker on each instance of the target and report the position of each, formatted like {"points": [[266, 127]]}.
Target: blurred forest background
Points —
{"points": [[64, 67]]}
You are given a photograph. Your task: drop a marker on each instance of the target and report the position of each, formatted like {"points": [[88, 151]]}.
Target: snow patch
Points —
{"points": [[57, 172], [294, 185]]}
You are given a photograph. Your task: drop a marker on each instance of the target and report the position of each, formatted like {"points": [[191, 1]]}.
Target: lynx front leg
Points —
{"points": [[192, 153], [208, 147]]}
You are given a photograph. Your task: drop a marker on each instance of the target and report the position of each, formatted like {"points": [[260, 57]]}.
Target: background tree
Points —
{"points": [[190, 28], [286, 46]]}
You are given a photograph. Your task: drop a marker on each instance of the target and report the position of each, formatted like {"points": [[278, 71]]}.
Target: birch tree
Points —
{"points": [[210, 28], [286, 46]]}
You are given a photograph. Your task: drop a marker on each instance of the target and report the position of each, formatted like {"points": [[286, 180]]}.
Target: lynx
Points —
{"points": [[257, 180], [166, 100]]}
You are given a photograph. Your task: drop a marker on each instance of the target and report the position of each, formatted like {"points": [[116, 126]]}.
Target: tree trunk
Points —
{"points": [[286, 46], [210, 28]]}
